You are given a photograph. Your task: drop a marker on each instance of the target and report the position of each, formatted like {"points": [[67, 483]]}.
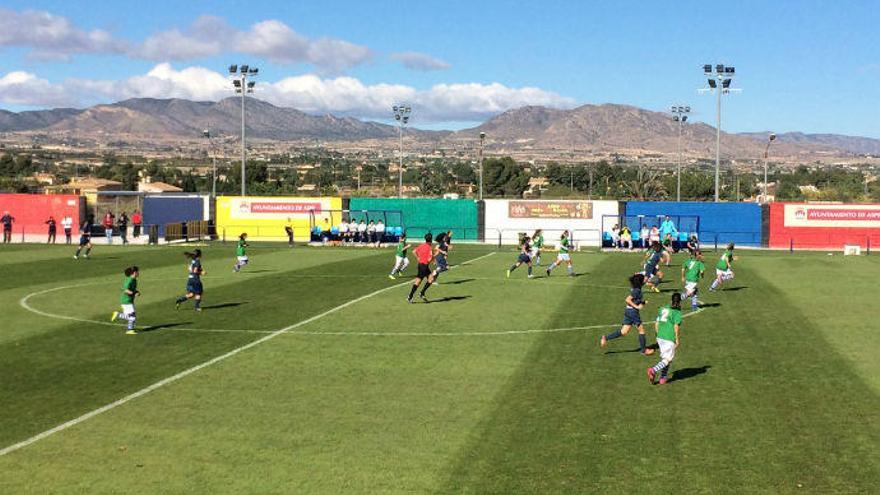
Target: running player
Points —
{"points": [[525, 256], [193, 281], [537, 244], [441, 253], [424, 253], [724, 268], [634, 302], [85, 239], [564, 254], [400, 259], [241, 253], [652, 272], [691, 272], [667, 326], [126, 299]]}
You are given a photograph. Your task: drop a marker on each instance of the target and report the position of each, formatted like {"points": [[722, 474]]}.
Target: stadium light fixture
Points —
{"points": [[679, 115], [241, 85], [719, 82], [401, 115], [207, 135], [770, 139]]}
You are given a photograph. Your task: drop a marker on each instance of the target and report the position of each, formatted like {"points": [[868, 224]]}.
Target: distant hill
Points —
{"points": [[178, 118], [853, 144], [597, 128], [611, 127]]}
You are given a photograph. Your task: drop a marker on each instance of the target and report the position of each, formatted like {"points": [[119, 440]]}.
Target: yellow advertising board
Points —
{"points": [[264, 217]]}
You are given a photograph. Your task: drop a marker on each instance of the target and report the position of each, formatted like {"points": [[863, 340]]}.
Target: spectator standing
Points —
{"points": [[67, 225], [122, 223], [52, 226], [107, 223], [668, 230], [615, 236], [7, 221], [380, 233], [288, 229], [136, 222]]}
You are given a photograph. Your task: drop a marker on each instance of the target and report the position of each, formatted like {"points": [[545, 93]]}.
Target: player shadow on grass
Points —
{"points": [[728, 289], [710, 305], [162, 326], [460, 281], [224, 305], [685, 373], [448, 299], [259, 270]]}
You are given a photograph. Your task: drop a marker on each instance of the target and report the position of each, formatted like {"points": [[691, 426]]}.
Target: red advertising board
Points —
{"points": [[32, 210], [824, 226]]}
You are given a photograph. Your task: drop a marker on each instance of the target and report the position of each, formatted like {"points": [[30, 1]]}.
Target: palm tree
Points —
{"points": [[647, 185]]}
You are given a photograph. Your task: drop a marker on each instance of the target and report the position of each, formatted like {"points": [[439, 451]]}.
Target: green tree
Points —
{"points": [[504, 177]]}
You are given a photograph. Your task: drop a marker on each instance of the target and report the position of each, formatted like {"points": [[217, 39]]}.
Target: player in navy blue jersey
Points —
{"points": [[85, 239], [193, 281], [524, 257], [631, 316], [652, 272]]}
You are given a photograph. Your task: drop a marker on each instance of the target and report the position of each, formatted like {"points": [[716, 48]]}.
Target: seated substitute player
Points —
{"points": [[400, 259], [693, 244], [126, 299], [668, 328], [653, 275], [564, 254], [424, 254], [631, 316], [241, 257], [525, 256], [85, 240], [691, 272], [724, 268], [193, 281]]}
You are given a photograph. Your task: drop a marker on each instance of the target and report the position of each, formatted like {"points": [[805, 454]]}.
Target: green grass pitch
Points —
{"points": [[496, 387]]}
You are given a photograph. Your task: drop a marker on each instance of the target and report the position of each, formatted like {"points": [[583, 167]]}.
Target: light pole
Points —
{"points": [[770, 139], [207, 134], [679, 114], [482, 138], [719, 81], [242, 86], [401, 115]]}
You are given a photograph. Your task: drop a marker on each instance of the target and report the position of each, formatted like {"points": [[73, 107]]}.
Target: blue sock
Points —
{"points": [[642, 342], [197, 303], [530, 269], [513, 267], [613, 335]]}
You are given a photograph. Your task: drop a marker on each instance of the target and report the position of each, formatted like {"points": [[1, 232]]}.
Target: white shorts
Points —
{"points": [[563, 257], [724, 274], [667, 349], [242, 259], [690, 287], [127, 309]]}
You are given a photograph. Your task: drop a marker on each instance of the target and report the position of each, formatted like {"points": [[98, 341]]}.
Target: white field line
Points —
{"points": [[189, 371]]}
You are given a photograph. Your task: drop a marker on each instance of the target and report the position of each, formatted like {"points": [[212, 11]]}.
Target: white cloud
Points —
{"points": [[53, 37], [310, 93], [420, 61], [271, 39]]}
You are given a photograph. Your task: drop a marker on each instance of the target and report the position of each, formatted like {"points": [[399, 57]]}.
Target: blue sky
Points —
{"points": [[807, 65]]}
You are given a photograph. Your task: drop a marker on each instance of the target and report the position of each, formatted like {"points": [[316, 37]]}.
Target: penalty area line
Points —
{"points": [[171, 379]]}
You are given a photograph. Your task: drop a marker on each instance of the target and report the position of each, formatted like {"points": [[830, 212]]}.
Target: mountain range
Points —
{"points": [[605, 128]]}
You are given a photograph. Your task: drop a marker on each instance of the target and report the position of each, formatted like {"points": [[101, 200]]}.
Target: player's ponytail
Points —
{"points": [[637, 281], [676, 300]]}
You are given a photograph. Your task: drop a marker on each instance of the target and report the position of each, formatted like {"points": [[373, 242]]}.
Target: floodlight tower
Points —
{"points": [[482, 138], [240, 75], [719, 82], [207, 135], [770, 139], [401, 115], [679, 114]]}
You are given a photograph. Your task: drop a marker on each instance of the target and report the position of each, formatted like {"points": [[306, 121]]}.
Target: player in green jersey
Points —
{"points": [[668, 328], [724, 268], [691, 272], [537, 244], [564, 254], [241, 253], [126, 299], [400, 259]]}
